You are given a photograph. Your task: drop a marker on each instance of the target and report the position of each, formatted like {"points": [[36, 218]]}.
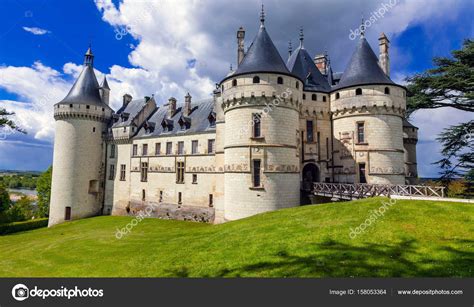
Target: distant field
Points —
{"points": [[420, 238]]}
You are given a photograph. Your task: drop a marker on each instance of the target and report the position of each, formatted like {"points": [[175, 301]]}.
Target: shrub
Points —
{"points": [[22, 226], [457, 188]]}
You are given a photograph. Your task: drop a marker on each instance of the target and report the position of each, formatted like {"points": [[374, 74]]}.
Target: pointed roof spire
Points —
{"points": [[290, 48], [301, 37], [363, 68], [105, 84], [262, 17]]}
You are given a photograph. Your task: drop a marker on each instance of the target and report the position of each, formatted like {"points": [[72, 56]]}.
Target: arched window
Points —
{"points": [[234, 82], [387, 91], [280, 80], [256, 79], [338, 96], [297, 84], [313, 97], [358, 91], [304, 96], [324, 98]]}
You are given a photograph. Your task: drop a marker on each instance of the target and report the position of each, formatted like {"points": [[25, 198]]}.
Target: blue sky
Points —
{"points": [[170, 47]]}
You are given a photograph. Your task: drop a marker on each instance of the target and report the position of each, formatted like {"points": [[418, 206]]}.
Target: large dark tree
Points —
{"points": [[449, 84]]}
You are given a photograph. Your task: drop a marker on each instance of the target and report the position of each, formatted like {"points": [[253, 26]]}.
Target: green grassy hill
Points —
{"points": [[413, 238]]}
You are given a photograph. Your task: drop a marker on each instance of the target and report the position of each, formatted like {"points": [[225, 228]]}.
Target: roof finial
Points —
{"points": [[231, 69], [262, 17], [362, 28], [290, 48], [89, 57], [301, 37]]}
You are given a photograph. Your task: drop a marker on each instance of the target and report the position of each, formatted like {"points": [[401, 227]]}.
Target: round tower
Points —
{"points": [[78, 164], [368, 110], [260, 102]]}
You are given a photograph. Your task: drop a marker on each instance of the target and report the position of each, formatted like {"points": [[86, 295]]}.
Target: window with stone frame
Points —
{"points": [[144, 149], [180, 148], [144, 172], [194, 147], [361, 132], [169, 148], [123, 168], [179, 172], [112, 151], [157, 149], [211, 145], [256, 173], [112, 172], [135, 150], [257, 125], [309, 131]]}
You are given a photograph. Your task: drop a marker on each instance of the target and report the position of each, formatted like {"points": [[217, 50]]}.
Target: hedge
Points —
{"points": [[23, 226]]}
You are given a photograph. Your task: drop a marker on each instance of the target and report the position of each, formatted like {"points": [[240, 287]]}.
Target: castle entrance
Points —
{"points": [[310, 175]]}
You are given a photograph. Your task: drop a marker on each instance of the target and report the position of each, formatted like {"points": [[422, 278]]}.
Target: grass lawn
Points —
{"points": [[413, 238]]}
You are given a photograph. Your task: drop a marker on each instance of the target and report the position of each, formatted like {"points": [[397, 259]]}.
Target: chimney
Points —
{"points": [[187, 105], [171, 107], [240, 45], [384, 60], [321, 62], [126, 99]]}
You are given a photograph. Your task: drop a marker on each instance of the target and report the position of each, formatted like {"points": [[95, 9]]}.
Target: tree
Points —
{"points": [[4, 199], [43, 187], [449, 85], [8, 123], [22, 210]]}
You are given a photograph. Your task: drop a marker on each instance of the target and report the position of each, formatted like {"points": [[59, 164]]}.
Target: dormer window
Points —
{"points": [[256, 79], [358, 92], [167, 125], [149, 127], [280, 80], [125, 116], [387, 91], [212, 119], [234, 82], [184, 122]]}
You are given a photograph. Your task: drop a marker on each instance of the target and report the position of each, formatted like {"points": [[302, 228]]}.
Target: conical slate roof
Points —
{"points": [[363, 68], [105, 84], [301, 65], [262, 56], [86, 88]]}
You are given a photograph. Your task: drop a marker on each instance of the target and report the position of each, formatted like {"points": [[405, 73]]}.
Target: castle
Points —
{"points": [[269, 131]]}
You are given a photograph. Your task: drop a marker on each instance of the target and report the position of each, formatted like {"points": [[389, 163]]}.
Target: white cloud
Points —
{"points": [[36, 31]]}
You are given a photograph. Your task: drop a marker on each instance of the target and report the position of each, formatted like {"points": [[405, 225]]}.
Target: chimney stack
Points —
{"points": [[187, 105], [384, 60], [126, 99], [240, 45], [321, 62], [171, 107]]}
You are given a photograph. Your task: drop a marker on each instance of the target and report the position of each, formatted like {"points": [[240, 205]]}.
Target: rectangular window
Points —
{"points": [[194, 147], [195, 178], [180, 148], [210, 146], [112, 172], [257, 128], [179, 172], [157, 149], [180, 198], [360, 132], [169, 148], [309, 131], [144, 172], [256, 173], [122, 172], [144, 149], [143, 195], [211, 200], [112, 151], [135, 150]]}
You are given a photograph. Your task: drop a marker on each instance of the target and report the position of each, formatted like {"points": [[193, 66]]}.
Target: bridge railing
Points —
{"points": [[362, 190]]}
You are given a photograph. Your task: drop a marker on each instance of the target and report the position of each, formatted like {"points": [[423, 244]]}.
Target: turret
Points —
{"points": [[260, 102], [78, 164], [105, 91], [410, 139]]}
